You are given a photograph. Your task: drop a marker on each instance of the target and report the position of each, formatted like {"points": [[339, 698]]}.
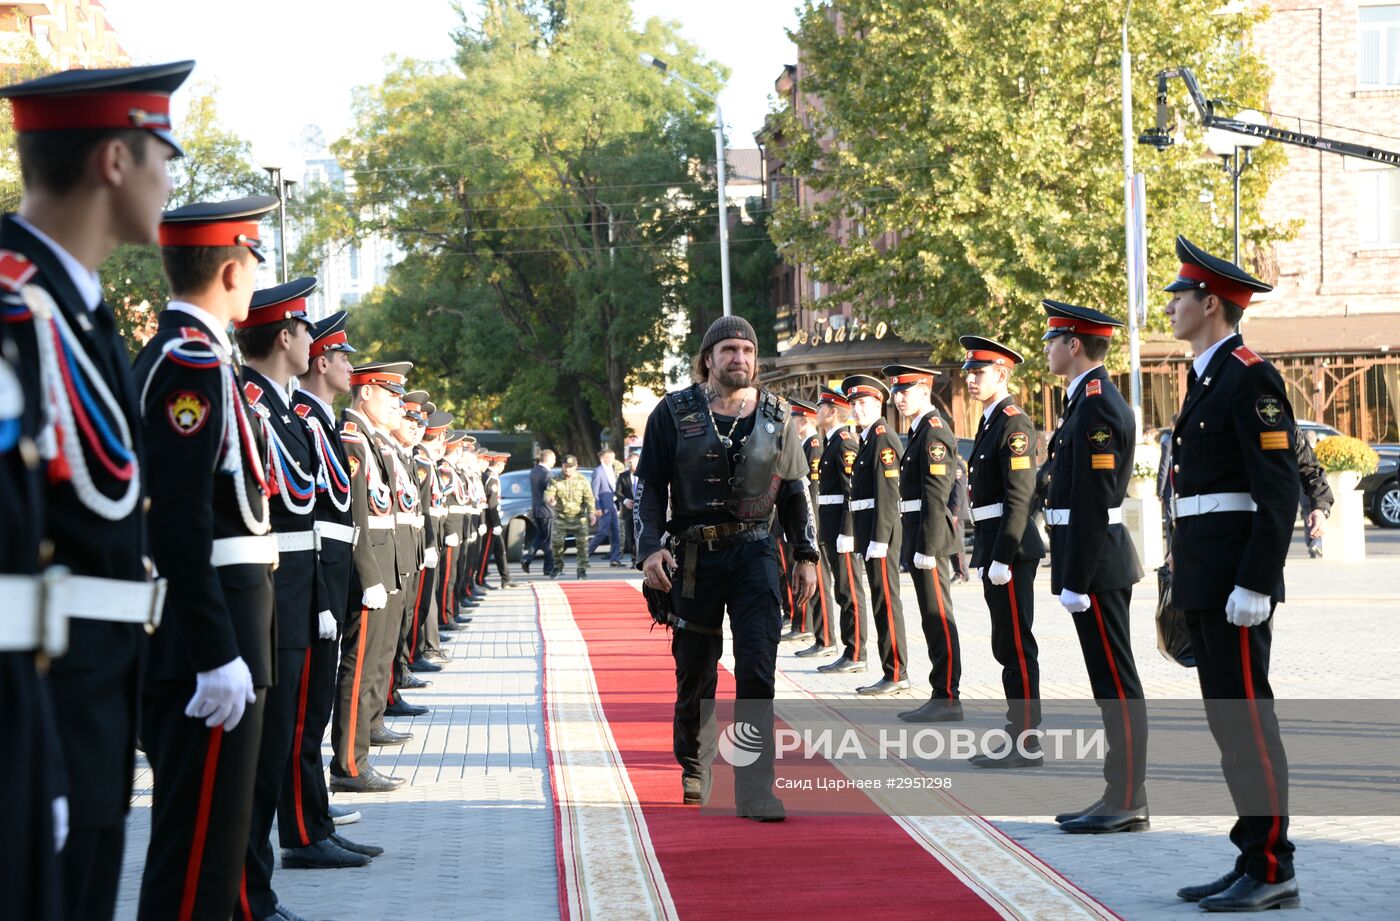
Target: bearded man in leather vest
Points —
{"points": [[725, 456]]}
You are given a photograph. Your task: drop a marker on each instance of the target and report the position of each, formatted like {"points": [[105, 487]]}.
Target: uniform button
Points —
{"points": [[1203, 423], [1176, 468], [1178, 439]]}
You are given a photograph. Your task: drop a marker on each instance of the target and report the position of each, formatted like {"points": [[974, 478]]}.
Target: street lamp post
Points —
{"points": [[281, 188], [1227, 145], [719, 170]]}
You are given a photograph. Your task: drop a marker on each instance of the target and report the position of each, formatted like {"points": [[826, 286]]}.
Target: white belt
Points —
{"points": [[830, 500], [235, 551], [381, 522], [910, 505], [1209, 503], [297, 541], [409, 518], [457, 509], [983, 512], [437, 512], [329, 530], [860, 505], [1060, 516], [30, 624], [120, 601]]}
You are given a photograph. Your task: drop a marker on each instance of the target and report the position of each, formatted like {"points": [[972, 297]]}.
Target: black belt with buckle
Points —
{"points": [[713, 537]]}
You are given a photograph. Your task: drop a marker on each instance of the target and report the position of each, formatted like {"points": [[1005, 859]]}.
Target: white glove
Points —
{"points": [[430, 559], [977, 573], [1245, 608], [325, 625], [496, 530], [375, 597], [453, 540], [925, 562], [60, 823], [845, 543], [998, 573], [221, 695], [481, 530], [1074, 602], [876, 551]]}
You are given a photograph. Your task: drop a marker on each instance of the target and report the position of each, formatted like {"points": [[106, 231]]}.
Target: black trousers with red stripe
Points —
{"points": [[847, 579], [1012, 608], [447, 583], [386, 680], [495, 549], [419, 586], [303, 813], [1106, 641], [202, 801], [257, 900], [361, 641], [888, 611], [940, 629], [425, 633], [1232, 664], [820, 611]]}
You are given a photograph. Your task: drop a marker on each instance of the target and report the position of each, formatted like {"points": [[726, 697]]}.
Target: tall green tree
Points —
{"points": [[977, 147]]}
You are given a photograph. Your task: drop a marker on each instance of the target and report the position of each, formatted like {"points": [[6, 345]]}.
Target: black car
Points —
{"points": [[1380, 492], [516, 521]]}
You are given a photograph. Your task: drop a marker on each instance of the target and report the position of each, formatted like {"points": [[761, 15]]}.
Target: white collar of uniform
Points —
{"points": [[1203, 360], [921, 417], [987, 413], [319, 402], [88, 285], [216, 329], [1074, 384], [834, 433], [272, 386]]}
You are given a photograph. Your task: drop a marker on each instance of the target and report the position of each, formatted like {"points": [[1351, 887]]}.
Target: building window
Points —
{"points": [[1379, 46], [1379, 201], [354, 262]]}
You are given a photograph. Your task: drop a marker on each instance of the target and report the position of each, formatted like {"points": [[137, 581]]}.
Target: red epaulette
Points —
{"points": [[879, 430], [1093, 389], [847, 434], [191, 332], [934, 422], [1012, 410], [349, 428], [302, 409], [1247, 356], [252, 392], [15, 270]]}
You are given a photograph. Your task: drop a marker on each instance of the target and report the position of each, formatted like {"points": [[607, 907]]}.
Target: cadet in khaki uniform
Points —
{"points": [[572, 500]]}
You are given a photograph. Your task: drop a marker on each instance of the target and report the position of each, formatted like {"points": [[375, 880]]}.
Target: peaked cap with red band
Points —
{"points": [[1203, 272], [413, 405], [863, 385], [438, 421], [92, 100], [802, 407], [830, 397], [902, 377], [982, 352], [387, 374], [280, 302], [223, 223], [328, 335], [1082, 321]]}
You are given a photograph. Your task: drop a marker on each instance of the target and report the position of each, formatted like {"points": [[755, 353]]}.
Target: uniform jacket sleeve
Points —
{"points": [[939, 478], [1272, 466], [366, 566], [1093, 488], [1018, 484], [888, 450], [850, 450], [1311, 475]]}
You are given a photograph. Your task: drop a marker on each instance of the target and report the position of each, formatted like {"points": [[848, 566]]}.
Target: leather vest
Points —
{"points": [[703, 482]]}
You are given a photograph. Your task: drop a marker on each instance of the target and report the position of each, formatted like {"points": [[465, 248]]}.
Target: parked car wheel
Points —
{"points": [[1385, 505], [520, 533]]}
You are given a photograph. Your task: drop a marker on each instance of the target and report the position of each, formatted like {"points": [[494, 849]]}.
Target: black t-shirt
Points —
{"points": [[658, 461]]}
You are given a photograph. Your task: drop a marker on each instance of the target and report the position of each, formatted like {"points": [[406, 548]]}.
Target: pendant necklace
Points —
{"points": [[727, 439]]}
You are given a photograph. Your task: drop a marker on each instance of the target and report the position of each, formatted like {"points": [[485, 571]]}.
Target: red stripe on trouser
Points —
{"points": [[821, 599], [296, 747], [855, 604], [243, 896], [355, 692], [485, 557], [1117, 686], [889, 614], [947, 634], [1016, 632], [201, 822], [445, 615], [1247, 668], [417, 600]]}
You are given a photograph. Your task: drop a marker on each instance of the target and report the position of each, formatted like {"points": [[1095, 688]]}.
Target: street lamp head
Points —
{"points": [[1222, 143], [1250, 117], [654, 62]]}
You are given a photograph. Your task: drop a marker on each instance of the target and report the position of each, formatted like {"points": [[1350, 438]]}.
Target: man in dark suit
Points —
{"points": [[1093, 565], [543, 515], [94, 170], [627, 504], [1006, 546], [1235, 479], [927, 474], [213, 658], [836, 527]]}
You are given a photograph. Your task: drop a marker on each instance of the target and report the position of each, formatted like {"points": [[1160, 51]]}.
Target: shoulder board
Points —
{"points": [[191, 333], [879, 429], [1247, 356], [349, 428], [302, 409], [196, 353], [813, 442], [15, 269], [847, 435], [1012, 410], [252, 391], [934, 422], [1093, 388]]}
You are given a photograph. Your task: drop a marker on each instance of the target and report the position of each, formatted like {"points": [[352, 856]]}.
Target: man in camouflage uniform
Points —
{"points": [[571, 497]]}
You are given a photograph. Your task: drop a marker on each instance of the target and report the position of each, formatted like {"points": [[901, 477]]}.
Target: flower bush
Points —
{"points": [[1339, 453]]}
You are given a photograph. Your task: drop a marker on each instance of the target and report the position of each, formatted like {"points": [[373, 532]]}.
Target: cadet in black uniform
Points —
{"points": [[927, 475], [1093, 565], [213, 657], [495, 531], [93, 149], [425, 476], [875, 511], [408, 526], [406, 438], [723, 453], [819, 611], [454, 490], [428, 655], [1235, 478], [1006, 545], [836, 527]]}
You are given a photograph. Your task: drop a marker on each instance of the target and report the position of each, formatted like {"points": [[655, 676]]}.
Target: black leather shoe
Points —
{"points": [[843, 665], [423, 664], [525, 566], [368, 850], [816, 649], [323, 855], [582, 574], [437, 658], [1106, 820], [1215, 887], [767, 809], [1064, 817], [413, 682], [695, 789], [393, 782], [1011, 759], [401, 708], [554, 573], [795, 634], [488, 586], [286, 914], [937, 710], [883, 688], [1249, 894], [343, 815], [462, 620], [617, 564], [368, 782], [388, 736], [509, 583]]}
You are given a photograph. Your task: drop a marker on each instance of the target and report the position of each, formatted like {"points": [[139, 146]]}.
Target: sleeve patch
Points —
{"points": [[1273, 441], [1102, 462], [938, 469], [1012, 410], [1020, 463], [1269, 408], [187, 411], [937, 451], [1100, 436], [1247, 356], [1018, 443], [848, 460], [887, 457], [1093, 388], [354, 466]]}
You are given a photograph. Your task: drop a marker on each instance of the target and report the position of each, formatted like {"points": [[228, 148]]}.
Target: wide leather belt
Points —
{"points": [[121, 601], [437, 512], [251, 550], [830, 500], [457, 509], [342, 533], [1212, 502], [30, 624], [1060, 516], [910, 505], [381, 522], [861, 505], [983, 512], [297, 541]]}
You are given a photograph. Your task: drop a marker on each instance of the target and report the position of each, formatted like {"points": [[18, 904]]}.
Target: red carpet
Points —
{"points": [[859, 866]]}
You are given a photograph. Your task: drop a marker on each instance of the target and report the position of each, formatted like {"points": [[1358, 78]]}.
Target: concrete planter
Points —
{"points": [[1346, 528], [1142, 516]]}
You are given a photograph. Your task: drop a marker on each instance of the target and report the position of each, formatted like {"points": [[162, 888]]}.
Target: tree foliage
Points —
{"points": [[977, 146]]}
